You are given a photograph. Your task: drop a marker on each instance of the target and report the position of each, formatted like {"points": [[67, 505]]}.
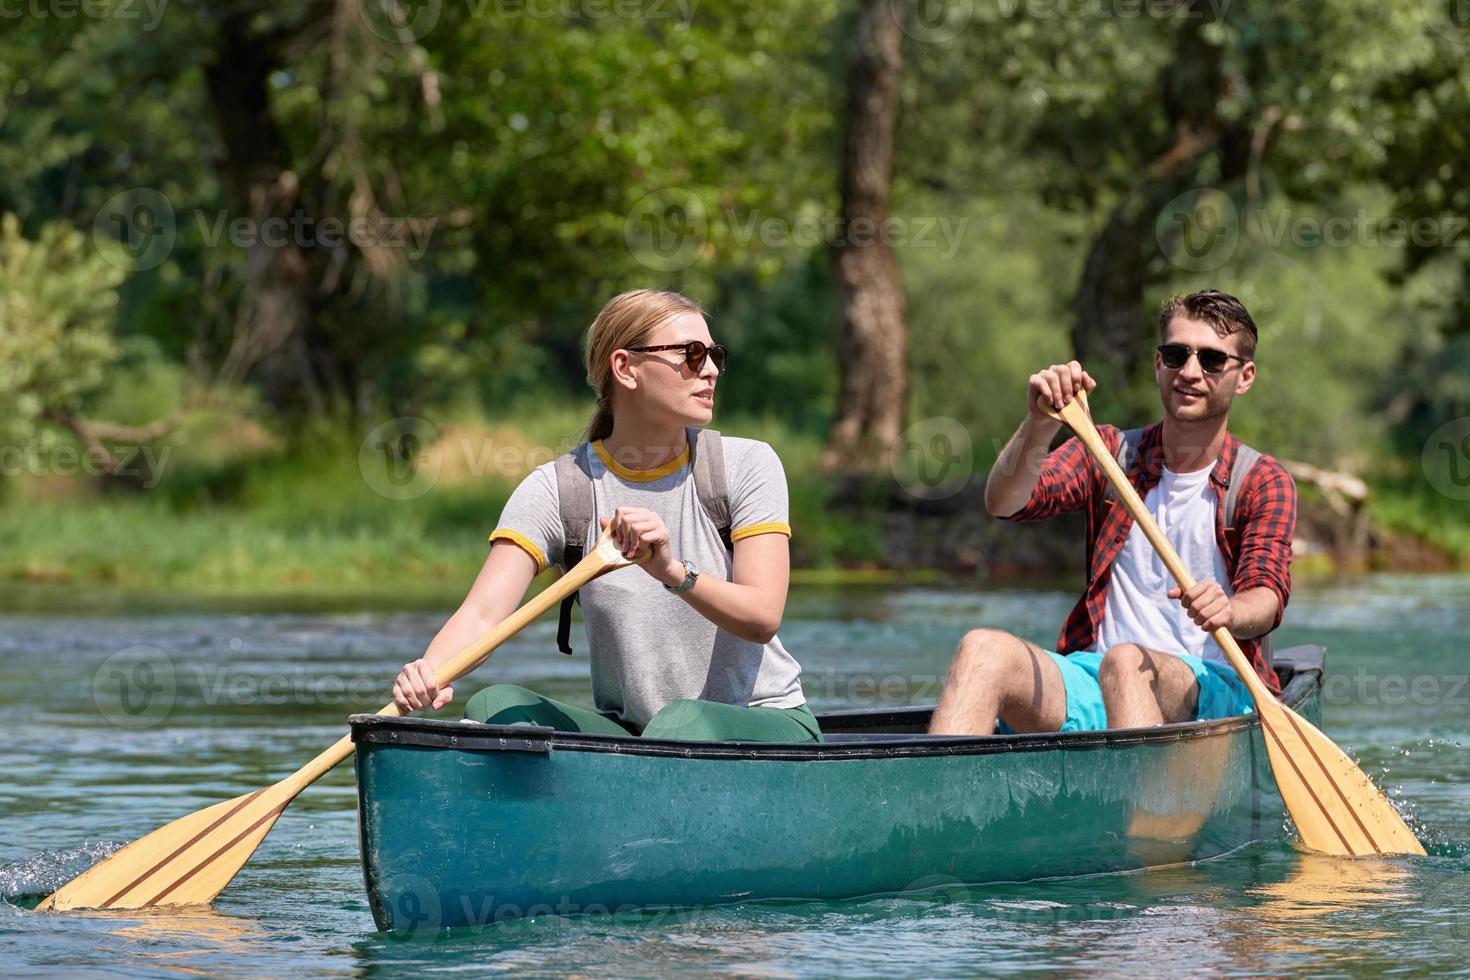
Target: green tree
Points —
{"points": [[1427, 167], [515, 157], [57, 303]]}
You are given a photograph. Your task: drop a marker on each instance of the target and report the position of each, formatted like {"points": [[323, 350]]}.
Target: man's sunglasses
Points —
{"points": [[695, 353], [1211, 361]]}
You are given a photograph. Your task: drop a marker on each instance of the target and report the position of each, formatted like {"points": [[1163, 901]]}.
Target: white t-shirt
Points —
{"points": [[1138, 609]]}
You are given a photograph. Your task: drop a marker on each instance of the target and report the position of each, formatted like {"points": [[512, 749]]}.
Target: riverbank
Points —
{"points": [[233, 512]]}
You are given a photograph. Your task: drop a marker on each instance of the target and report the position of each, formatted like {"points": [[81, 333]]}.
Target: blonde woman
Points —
{"points": [[684, 646]]}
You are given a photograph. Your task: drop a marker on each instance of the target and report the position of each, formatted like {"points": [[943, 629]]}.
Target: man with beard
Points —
{"points": [[1136, 649]]}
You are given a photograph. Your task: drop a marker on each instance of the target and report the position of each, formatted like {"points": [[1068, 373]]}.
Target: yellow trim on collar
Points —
{"points": [[640, 476], [525, 544], [751, 530]]}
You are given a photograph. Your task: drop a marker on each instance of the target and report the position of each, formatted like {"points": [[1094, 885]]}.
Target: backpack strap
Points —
{"points": [[1245, 459], [574, 498], [710, 483], [1126, 454]]}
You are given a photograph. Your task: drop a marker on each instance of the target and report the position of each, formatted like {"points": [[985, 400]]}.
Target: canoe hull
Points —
{"points": [[467, 825]]}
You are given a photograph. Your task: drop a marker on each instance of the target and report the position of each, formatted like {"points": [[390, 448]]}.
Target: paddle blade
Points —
{"points": [[1335, 806], [187, 862]]}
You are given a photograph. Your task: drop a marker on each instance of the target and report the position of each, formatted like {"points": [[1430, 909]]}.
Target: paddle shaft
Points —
{"points": [[1075, 414], [602, 559]]}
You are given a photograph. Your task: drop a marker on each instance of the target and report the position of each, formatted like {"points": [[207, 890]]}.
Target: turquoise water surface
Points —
{"points": [[127, 714]]}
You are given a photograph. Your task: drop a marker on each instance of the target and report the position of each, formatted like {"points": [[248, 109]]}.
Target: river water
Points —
{"points": [[236, 699]]}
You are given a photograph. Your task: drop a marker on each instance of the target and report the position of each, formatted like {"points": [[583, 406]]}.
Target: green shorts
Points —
{"points": [[689, 720]]}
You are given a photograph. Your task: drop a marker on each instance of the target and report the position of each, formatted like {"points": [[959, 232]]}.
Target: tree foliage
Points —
{"points": [[533, 165], [57, 302]]}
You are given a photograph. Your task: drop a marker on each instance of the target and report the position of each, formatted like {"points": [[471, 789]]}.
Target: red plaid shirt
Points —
{"points": [[1257, 551]]}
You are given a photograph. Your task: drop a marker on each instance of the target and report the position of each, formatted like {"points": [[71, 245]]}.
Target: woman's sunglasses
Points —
{"points": [[1211, 361], [695, 353]]}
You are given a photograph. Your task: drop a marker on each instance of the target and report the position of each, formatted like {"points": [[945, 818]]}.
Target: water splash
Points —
{"points": [[26, 882]]}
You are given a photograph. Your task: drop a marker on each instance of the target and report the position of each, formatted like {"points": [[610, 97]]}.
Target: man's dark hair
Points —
{"points": [[1223, 312]]}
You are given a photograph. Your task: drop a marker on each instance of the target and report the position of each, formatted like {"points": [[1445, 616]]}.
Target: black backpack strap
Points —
{"points": [[574, 498], [1245, 459], [710, 483], [1126, 454]]}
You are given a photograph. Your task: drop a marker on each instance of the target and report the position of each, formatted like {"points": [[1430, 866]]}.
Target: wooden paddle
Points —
{"points": [[191, 860], [1334, 805]]}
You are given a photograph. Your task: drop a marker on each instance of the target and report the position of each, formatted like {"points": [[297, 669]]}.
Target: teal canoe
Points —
{"points": [[468, 824]]}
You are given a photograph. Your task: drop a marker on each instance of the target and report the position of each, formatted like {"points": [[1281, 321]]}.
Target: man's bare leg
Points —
{"points": [[1142, 687], [997, 675]]}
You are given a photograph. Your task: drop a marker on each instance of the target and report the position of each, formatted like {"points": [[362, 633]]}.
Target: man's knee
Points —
{"points": [[986, 651], [1123, 664]]}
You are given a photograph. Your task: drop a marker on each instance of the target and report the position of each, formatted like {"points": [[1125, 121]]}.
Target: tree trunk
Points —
{"points": [[282, 297], [1112, 333], [871, 336]]}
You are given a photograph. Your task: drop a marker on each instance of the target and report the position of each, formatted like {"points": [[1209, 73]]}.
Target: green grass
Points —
{"points": [[141, 544], [1411, 506], [272, 520], [269, 521]]}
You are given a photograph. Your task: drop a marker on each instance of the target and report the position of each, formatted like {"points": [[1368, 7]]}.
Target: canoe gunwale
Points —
{"points": [[430, 733], [1306, 678]]}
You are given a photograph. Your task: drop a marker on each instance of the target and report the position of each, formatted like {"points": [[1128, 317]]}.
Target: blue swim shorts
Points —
{"points": [[1221, 694]]}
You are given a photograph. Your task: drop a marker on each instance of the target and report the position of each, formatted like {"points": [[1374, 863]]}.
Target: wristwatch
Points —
{"points": [[690, 574]]}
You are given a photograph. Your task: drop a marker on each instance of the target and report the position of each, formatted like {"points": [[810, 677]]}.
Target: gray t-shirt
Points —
{"points": [[648, 646]]}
